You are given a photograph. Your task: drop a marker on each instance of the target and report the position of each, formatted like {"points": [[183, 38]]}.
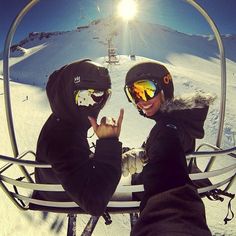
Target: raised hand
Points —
{"points": [[108, 126]]}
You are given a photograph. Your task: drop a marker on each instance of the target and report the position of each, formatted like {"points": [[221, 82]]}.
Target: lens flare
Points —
{"points": [[127, 9]]}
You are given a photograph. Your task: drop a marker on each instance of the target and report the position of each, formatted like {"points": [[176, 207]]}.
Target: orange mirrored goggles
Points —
{"points": [[142, 90]]}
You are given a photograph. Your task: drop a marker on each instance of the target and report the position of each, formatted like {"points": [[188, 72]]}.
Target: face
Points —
{"points": [[151, 106]]}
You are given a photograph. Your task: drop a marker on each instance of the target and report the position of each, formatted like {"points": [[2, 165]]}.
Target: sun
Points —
{"points": [[127, 9]]}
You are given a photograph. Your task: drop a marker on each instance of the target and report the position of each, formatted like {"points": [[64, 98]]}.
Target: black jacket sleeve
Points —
{"points": [[89, 182], [166, 168], [176, 212]]}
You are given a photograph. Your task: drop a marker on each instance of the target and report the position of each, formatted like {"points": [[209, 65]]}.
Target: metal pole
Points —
{"points": [[7, 96], [223, 75], [90, 226], [230, 183], [133, 219], [71, 228]]}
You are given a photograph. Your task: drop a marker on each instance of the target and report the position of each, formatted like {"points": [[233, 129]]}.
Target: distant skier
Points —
{"points": [[170, 204], [77, 92], [26, 98]]}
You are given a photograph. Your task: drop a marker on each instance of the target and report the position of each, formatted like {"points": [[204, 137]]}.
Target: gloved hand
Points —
{"points": [[133, 161]]}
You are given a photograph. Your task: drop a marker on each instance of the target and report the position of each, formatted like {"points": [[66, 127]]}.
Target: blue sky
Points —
{"points": [[56, 15]]}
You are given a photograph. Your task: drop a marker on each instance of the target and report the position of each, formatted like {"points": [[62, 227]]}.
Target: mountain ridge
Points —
{"points": [[51, 50]]}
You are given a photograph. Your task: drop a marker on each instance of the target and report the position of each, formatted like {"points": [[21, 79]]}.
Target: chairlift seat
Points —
{"points": [[122, 199]]}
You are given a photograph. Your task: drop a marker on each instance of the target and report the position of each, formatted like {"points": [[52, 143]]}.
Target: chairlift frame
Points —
{"points": [[131, 207]]}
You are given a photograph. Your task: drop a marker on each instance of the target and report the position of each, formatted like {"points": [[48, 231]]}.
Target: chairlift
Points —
{"points": [[19, 190], [112, 53]]}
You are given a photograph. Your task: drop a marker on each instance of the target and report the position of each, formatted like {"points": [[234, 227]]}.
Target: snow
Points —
{"points": [[193, 63]]}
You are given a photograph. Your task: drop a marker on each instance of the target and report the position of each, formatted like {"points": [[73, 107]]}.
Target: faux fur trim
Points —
{"points": [[188, 101]]}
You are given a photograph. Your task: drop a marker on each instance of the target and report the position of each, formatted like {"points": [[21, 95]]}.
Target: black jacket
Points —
{"points": [[90, 182], [187, 114], [178, 123], [176, 212], [170, 204]]}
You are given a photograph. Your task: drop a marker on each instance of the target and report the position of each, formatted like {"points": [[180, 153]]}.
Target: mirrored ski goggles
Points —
{"points": [[142, 90], [91, 97]]}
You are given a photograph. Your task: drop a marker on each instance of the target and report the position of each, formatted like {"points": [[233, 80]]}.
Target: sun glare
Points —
{"points": [[127, 9]]}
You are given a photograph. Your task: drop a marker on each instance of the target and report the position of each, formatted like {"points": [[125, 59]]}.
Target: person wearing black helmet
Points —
{"points": [[170, 204], [76, 93]]}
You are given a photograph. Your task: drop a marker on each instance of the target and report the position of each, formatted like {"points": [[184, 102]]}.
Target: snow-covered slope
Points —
{"points": [[52, 50], [193, 62]]}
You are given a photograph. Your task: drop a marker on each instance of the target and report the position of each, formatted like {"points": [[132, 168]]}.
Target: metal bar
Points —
{"points": [[71, 227], [119, 189], [88, 230], [125, 205], [214, 186], [106, 216], [24, 162], [32, 186], [8, 165], [7, 97], [209, 174], [223, 75], [113, 204], [11, 196], [133, 219], [230, 183], [218, 152]]}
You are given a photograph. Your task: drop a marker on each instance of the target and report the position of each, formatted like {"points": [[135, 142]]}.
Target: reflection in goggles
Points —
{"points": [[91, 97], [142, 90]]}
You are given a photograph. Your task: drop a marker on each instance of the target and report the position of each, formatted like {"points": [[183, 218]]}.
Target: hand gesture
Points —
{"points": [[108, 126]]}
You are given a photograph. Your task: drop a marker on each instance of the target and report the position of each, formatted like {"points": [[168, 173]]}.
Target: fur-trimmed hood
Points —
{"points": [[188, 112], [188, 101]]}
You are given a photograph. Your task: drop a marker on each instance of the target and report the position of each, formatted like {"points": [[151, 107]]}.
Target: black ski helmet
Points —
{"points": [[154, 71], [90, 74], [63, 83]]}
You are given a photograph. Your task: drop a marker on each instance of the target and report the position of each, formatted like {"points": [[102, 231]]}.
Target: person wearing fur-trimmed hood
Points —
{"points": [[170, 204]]}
